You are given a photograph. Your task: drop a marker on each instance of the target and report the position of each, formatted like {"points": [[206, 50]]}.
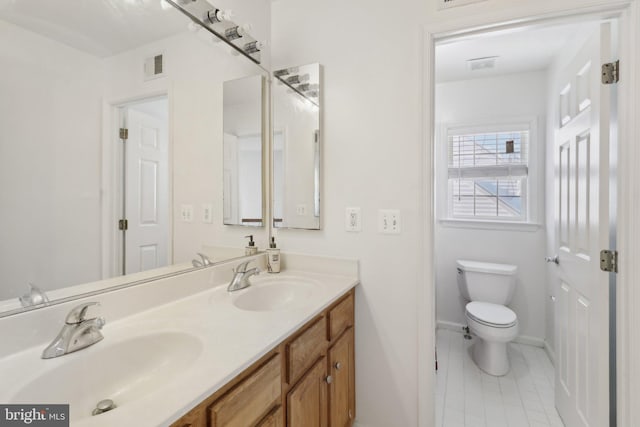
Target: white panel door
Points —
{"points": [[582, 171], [147, 192]]}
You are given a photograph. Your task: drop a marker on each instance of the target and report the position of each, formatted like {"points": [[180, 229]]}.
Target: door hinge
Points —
{"points": [[124, 133], [611, 73], [123, 224], [609, 261]]}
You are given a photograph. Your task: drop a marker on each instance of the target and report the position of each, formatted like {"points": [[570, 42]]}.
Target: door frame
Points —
{"points": [[111, 177], [628, 191]]}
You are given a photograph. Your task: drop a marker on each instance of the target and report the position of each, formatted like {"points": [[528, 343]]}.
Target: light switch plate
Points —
{"points": [[186, 213], [389, 221], [207, 213], [353, 220]]}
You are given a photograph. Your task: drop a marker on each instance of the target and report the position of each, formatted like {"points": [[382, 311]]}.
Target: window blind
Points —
{"points": [[487, 174]]}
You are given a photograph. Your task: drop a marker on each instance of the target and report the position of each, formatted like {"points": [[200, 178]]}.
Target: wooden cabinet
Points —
{"points": [[341, 317], [195, 418], [307, 400], [249, 401], [289, 386], [342, 387], [305, 348], [274, 419]]}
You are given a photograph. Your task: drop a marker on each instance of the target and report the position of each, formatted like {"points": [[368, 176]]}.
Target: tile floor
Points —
{"points": [[466, 396]]}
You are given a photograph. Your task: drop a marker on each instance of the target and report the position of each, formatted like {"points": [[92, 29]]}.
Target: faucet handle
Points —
{"points": [[242, 267], [78, 314]]}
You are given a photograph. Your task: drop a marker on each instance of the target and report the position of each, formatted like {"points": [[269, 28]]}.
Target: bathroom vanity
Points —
{"points": [[307, 380], [184, 351]]}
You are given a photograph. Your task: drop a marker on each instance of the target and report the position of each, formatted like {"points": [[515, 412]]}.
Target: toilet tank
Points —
{"points": [[486, 282]]}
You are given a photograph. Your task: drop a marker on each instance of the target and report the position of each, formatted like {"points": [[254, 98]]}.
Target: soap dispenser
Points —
{"points": [[273, 257], [251, 248]]}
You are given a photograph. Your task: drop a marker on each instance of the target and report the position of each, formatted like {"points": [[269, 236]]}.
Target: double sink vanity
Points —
{"points": [[186, 351]]}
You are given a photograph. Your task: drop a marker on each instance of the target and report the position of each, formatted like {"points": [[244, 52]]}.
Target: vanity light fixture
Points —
{"points": [[299, 83], [253, 47], [219, 23], [215, 16], [234, 32], [297, 79]]}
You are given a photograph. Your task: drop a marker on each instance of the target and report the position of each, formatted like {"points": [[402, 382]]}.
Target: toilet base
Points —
{"points": [[491, 357]]}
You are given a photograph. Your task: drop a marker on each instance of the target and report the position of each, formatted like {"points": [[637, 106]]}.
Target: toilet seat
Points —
{"points": [[492, 315]]}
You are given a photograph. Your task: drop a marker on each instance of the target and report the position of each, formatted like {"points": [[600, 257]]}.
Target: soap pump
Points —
{"points": [[251, 248], [273, 257]]}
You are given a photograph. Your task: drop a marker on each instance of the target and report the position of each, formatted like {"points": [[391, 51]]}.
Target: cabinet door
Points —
{"points": [[342, 388], [307, 401]]}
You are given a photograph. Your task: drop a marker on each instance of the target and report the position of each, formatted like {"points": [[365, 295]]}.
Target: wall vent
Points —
{"points": [[446, 4], [486, 63], [154, 67]]}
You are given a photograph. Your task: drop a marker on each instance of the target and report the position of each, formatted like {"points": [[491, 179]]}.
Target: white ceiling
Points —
{"points": [[518, 50], [99, 27]]}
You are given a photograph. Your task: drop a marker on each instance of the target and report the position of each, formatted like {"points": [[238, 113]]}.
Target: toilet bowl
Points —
{"points": [[495, 326], [489, 288]]}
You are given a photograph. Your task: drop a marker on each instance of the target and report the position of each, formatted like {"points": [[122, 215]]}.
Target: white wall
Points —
{"points": [[49, 163], [471, 102], [370, 52]]}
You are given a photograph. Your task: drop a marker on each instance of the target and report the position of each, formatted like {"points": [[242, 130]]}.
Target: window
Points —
{"points": [[488, 172]]}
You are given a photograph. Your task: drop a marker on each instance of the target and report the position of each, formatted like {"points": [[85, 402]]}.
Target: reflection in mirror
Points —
{"points": [[243, 100], [296, 147], [85, 200]]}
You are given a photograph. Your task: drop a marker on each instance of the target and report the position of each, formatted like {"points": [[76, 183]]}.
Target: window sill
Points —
{"points": [[490, 225]]}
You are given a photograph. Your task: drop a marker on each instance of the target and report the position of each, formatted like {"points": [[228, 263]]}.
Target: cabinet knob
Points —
{"points": [[329, 379], [338, 366]]}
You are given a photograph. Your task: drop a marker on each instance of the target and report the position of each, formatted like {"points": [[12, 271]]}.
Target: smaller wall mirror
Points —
{"points": [[296, 147], [243, 154]]}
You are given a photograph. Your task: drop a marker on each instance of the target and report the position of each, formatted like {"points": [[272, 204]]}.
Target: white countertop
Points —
{"points": [[231, 340]]}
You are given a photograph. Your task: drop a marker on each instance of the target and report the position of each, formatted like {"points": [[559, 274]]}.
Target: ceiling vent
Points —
{"points": [[154, 67], [445, 4], [485, 63]]}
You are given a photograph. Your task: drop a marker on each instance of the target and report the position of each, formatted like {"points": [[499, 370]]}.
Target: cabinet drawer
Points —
{"points": [[251, 399], [341, 317], [305, 349]]}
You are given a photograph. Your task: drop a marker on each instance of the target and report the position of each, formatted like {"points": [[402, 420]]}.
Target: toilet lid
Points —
{"points": [[491, 314]]}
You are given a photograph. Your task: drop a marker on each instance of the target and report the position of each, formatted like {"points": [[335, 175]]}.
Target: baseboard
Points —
{"points": [[520, 339]]}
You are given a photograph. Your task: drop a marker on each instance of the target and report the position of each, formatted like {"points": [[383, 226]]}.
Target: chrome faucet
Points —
{"points": [[241, 277], [77, 333], [35, 296], [205, 261]]}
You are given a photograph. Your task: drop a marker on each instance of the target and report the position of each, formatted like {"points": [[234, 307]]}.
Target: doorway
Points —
{"points": [[523, 148], [142, 194]]}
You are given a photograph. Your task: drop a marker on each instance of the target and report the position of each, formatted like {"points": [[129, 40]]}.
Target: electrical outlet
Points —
{"points": [[207, 213], [352, 220], [186, 213], [301, 210], [389, 221]]}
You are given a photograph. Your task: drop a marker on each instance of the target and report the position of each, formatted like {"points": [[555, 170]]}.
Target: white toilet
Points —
{"points": [[489, 288]]}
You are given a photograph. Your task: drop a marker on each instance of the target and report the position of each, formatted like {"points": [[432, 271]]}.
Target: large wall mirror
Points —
{"points": [[297, 147], [111, 150]]}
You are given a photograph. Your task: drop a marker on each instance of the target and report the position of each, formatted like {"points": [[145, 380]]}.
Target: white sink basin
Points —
{"points": [[276, 294], [121, 371]]}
